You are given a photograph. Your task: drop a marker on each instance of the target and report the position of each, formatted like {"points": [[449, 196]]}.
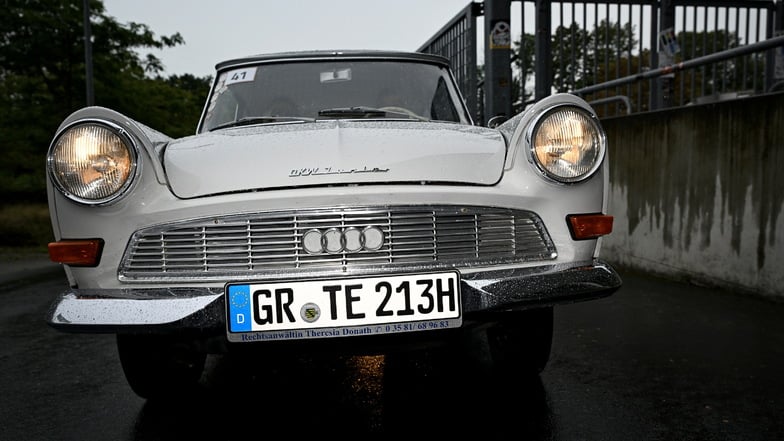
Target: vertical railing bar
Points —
{"points": [[714, 81], [705, 51], [640, 51], [679, 77], [585, 48], [682, 77], [618, 32], [717, 37], [769, 56], [738, 61], [596, 43], [561, 65], [726, 63], [747, 58], [756, 61], [630, 44], [607, 44], [573, 55], [523, 51], [693, 54]]}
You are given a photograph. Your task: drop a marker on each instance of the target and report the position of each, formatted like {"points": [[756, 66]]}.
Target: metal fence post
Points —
{"points": [[779, 16], [664, 84], [774, 59], [654, 97], [88, 56], [498, 59], [542, 57]]}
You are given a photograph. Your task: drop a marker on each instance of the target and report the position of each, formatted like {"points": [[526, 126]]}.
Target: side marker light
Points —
{"points": [[83, 252], [589, 226]]}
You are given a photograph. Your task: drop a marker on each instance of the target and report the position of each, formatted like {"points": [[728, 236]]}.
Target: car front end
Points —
{"points": [[341, 225]]}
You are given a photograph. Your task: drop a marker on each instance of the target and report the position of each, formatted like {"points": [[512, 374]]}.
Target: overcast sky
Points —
{"points": [[217, 30]]}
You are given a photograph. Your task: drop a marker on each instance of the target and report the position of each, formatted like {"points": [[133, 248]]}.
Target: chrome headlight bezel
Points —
{"points": [[118, 190], [598, 144]]}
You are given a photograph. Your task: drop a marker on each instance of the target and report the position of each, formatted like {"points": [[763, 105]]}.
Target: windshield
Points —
{"points": [[309, 90]]}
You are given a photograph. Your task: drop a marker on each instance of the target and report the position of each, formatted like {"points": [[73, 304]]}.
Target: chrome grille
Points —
{"points": [[268, 244]]}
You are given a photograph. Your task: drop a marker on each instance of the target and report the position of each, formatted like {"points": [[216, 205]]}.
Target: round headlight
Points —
{"points": [[567, 144], [92, 162]]}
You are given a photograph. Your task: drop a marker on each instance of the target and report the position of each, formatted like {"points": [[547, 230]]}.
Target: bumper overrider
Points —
{"points": [[202, 309]]}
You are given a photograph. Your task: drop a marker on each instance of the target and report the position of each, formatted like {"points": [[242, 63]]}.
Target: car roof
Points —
{"points": [[334, 55]]}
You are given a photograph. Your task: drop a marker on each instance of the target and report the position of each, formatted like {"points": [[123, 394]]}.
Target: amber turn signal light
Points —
{"points": [[589, 226], [84, 252]]}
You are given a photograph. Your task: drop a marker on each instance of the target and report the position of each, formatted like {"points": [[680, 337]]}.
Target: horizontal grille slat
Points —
{"points": [[258, 245]]}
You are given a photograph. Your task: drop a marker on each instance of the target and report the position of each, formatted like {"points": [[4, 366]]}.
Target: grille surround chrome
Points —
{"points": [[268, 245]]}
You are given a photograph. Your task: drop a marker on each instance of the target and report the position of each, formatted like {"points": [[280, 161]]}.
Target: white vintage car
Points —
{"points": [[328, 200]]}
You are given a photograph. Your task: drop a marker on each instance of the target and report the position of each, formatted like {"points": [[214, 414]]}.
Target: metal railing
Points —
{"points": [[599, 42], [691, 68], [652, 54], [457, 42]]}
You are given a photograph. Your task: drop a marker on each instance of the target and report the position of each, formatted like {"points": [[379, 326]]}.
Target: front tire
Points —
{"points": [[522, 343], [157, 367], [518, 344]]}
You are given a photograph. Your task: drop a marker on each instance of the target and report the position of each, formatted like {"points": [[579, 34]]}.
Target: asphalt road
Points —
{"points": [[656, 361]]}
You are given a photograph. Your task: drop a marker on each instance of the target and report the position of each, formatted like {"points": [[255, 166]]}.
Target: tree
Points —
{"points": [[523, 68], [42, 80], [571, 57], [579, 57]]}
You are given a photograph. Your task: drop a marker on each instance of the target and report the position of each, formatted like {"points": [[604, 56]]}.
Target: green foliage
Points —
{"points": [[25, 225], [42, 80]]}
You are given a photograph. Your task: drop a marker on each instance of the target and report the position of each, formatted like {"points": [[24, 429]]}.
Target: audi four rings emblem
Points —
{"points": [[336, 240]]}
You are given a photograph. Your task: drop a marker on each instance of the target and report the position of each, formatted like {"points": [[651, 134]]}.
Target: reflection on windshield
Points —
{"points": [[305, 91]]}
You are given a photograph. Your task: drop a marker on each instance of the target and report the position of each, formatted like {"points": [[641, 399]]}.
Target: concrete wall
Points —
{"points": [[697, 194]]}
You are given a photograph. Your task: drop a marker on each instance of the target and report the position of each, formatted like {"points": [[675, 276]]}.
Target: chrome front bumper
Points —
{"points": [[202, 309]]}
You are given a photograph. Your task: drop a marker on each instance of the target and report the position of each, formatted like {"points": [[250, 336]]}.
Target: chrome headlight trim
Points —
{"points": [[596, 149], [117, 190]]}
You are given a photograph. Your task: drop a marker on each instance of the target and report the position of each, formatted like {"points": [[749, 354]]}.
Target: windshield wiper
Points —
{"points": [[360, 112], [250, 120]]}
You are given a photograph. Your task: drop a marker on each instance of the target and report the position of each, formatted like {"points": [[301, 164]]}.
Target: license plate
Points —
{"points": [[327, 308]]}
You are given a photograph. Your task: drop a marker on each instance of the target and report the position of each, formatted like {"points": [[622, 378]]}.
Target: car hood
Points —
{"points": [[333, 152]]}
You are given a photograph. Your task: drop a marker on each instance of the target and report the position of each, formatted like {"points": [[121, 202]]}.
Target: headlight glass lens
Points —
{"points": [[567, 144], [92, 163]]}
